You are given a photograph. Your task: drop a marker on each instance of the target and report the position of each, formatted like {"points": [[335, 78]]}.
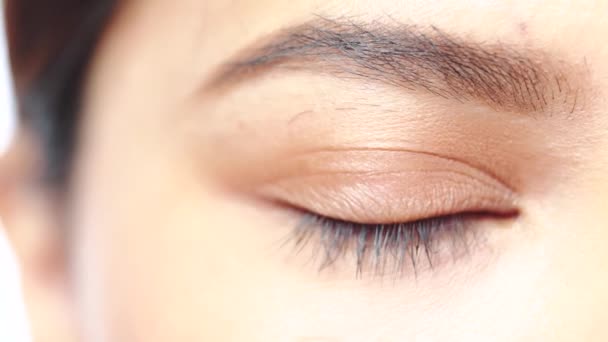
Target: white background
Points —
{"points": [[13, 327]]}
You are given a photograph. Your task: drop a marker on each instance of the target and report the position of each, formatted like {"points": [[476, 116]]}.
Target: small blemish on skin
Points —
{"points": [[523, 28], [241, 126]]}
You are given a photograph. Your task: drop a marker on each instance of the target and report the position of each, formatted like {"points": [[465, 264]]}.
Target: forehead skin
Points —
{"points": [[165, 251]]}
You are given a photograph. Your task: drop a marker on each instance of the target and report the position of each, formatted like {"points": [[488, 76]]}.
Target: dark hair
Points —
{"points": [[51, 44]]}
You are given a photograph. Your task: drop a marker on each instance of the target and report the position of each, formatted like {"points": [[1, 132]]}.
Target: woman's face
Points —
{"points": [[264, 170]]}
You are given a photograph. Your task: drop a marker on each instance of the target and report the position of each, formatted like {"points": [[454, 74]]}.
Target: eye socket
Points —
{"points": [[381, 208]]}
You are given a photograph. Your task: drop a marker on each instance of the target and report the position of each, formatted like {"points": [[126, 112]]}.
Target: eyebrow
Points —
{"points": [[415, 59]]}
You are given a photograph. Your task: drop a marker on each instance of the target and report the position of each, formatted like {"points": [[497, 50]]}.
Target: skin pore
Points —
{"points": [[262, 170]]}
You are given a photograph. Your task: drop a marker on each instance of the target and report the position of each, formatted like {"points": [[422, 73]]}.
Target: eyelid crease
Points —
{"points": [[466, 163], [364, 189], [377, 173]]}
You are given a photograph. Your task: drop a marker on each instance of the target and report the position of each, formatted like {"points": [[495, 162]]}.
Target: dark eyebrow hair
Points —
{"points": [[417, 59]]}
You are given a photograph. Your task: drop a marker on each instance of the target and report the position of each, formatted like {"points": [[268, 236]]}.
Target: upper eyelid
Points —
{"points": [[466, 163], [424, 188], [376, 173]]}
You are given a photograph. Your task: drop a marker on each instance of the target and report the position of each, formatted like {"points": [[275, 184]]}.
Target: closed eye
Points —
{"points": [[393, 248], [387, 211]]}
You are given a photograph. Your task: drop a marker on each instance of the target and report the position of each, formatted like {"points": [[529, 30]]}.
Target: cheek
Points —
{"points": [[161, 254], [573, 226]]}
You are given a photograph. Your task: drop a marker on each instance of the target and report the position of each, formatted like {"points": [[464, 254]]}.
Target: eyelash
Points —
{"points": [[378, 247]]}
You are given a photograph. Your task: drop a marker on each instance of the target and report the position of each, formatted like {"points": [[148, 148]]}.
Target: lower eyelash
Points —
{"points": [[382, 248]]}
